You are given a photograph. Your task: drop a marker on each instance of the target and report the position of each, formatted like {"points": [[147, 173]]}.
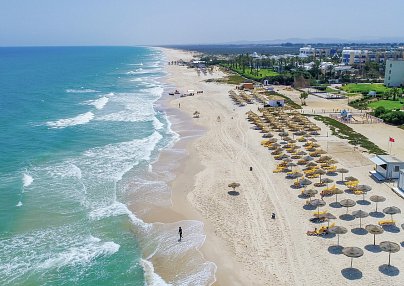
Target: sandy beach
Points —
{"points": [[246, 245]]}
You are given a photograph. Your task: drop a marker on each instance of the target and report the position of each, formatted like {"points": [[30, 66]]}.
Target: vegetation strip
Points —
{"points": [[345, 132]]}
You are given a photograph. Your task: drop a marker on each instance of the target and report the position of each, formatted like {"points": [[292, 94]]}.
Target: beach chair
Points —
{"points": [[387, 222], [320, 213]]}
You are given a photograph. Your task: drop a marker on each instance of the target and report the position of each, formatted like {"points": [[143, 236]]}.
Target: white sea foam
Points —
{"points": [[77, 120], [83, 254], [19, 204], [27, 180], [98, 103], [151, 277], [82, 90]]}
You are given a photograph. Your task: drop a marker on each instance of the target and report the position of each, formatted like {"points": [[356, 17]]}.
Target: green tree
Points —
{"points": [[303, 97]]}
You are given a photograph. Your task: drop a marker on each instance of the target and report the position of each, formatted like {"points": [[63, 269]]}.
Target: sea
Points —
{"points": [[80, 131]]}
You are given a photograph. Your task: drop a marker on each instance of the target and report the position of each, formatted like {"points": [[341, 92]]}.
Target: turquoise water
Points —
{"points": [[77, 128]]}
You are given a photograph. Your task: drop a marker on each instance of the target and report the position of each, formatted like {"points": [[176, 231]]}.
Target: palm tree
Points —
{"points": [[395, 92]]}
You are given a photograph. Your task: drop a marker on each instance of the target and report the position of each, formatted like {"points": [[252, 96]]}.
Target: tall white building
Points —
{"points": [[307, 52], [394, 74]]}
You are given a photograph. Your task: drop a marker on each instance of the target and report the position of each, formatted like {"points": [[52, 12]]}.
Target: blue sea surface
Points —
{"points": [[74, 122]]}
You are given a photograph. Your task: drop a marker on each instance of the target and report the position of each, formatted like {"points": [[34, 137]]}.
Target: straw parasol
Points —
{"points": [[327, 216], [350, 178], [318, 204], [390, 247], [374, 229], [364, 189], [348, 203], [338, 230], [337, 192], [352, 252], [320, 172], [234, 185], [342, 171], [305, 182], [310, 192], [377, 199], [360, 214], [327, 181], [392, 211]]}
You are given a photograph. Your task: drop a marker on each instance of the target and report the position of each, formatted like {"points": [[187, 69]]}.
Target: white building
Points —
{"points": [[400, 183], [387, 167], [306, 52], [350, 57], [394, 74], [275, 101]]}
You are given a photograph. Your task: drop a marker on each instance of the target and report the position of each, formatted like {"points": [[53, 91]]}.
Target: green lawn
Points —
{"points": [[388, 104], [262, 73], [364, 87]]}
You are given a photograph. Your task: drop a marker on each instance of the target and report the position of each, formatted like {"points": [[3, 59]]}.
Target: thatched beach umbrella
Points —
{"points": [[342, 171], [377, 199], [347, 203], [364, 189], [310, 193], [327, 181], [320, 172], [392, 211], [350, 179], [390, 247], [305, 182], [309, 158], [338, 230], [234, 185], [318, 204], [328, 216], [352, 252], [374, 229], [268, 135], [360, 214], [311, 164], [336, 192]]}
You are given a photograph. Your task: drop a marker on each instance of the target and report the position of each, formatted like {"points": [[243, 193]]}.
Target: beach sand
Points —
{"points": [[247, 246]]}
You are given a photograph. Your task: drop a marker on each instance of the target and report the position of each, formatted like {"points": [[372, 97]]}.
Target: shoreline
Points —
{"points": [[247, 247]]}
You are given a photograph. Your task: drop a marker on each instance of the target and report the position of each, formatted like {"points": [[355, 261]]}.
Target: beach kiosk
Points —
{"points": [[387, 167], [275, 101]]}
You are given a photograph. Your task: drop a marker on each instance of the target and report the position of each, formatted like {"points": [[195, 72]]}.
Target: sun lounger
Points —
{"points": [[387, 222]]}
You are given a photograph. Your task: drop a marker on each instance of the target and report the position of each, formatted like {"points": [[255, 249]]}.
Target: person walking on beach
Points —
{"points": [[180, 233], [179, 105]]}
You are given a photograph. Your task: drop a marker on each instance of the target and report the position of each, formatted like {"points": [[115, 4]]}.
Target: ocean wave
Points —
{"points": [[83, 254], [150, 276], [19, 204], [30, 252], [98, 103], [78, 120], [82, 90], [27, 180]]}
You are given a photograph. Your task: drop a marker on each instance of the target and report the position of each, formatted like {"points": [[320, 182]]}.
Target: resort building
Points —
{"points": [[306, 52], [275, 101], [350, 57], [394, 74], [387, 167]]}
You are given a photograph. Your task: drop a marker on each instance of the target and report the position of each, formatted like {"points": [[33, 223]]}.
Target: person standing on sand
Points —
{"points": [[179, 105], [180, 233]]}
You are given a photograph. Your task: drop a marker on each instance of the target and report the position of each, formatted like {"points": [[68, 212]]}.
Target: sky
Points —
{"points": [[166, 22]]}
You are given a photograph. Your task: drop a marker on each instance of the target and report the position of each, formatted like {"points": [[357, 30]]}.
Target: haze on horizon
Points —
{"points": [[162, 22]]}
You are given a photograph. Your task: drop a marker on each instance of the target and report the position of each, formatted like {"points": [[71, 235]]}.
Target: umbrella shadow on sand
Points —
{"points": [[377, 214], [351, 273], [359, 231], [233, 193], [389, 270], [363, 202], [391, 228], [335, 249], [347, 217], [309, 207], [335, 205], [373, 248]]}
